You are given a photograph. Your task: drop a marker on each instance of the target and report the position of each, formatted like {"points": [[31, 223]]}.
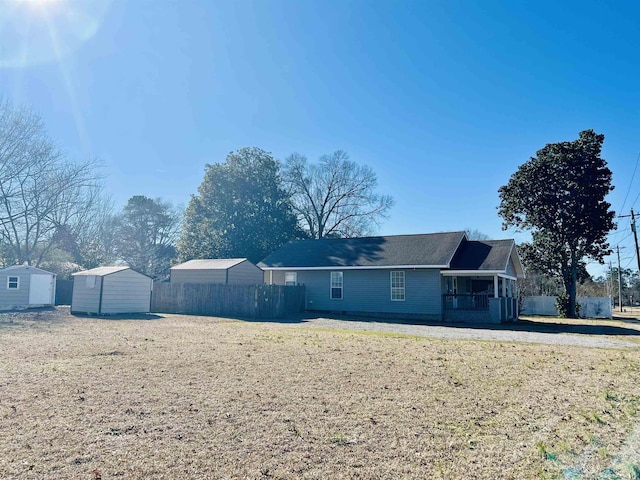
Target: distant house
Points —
{"points": [[219, 270], [111, 290], [24, 286], [437, 276]]}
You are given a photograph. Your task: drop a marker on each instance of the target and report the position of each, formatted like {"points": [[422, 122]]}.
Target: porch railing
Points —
{"points": [[466, 301]]}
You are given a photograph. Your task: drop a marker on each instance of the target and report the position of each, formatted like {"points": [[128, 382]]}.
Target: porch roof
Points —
{"points": [[487, 256]]}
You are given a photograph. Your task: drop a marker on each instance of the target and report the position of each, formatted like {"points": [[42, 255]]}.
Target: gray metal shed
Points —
{"points": [[26, 286], [235, 271], [111, 290]]}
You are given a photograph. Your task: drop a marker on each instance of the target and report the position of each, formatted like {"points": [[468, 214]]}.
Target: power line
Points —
{"points": [[631, 183], [634, 202]]}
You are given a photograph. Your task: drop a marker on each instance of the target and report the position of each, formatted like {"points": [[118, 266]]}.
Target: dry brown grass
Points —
{"points": [[200, 398]]}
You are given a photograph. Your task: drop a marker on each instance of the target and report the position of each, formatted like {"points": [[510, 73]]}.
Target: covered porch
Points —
{"points": [[479, 297]]}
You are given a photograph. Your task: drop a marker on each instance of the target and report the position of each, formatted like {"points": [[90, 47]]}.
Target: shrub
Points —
{"points": [[562, 305]]}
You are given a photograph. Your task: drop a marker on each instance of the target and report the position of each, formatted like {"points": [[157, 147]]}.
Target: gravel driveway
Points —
{"points": [[507, 333]]}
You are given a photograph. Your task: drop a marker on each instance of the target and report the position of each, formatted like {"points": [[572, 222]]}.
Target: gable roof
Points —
{"points": [[28, 268], [209, 264], [482, 255], [103, 271], [488, 256], [434, 250]]}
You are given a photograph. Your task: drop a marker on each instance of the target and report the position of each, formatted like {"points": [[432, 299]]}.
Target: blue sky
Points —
{"points": [[444, 100]]}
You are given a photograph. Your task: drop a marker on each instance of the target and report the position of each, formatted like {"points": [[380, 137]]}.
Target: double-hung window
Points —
{"points": [[13, 283], [397, 286], [291, 279], [336, 285]]}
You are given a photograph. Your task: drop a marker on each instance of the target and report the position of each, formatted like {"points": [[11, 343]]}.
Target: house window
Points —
{"points": [[13, 283], [397, 286], [291, 279], [336, 285]]}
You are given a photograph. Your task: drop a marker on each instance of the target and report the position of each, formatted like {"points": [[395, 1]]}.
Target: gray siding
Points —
{"points": [[19, 296], [198, 276], [126, 291], [245, 273], [511, 270], [85, 299], [369, 291]]}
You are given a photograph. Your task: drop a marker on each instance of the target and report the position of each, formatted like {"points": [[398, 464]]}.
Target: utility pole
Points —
{"points": [[635, 237], [610, 282], [619, 279]]}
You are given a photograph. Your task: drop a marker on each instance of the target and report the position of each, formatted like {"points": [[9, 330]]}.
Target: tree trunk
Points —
{"points": [[571, 291]]}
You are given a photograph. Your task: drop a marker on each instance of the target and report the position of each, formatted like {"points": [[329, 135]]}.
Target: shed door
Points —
{"points": [[40, 289]]}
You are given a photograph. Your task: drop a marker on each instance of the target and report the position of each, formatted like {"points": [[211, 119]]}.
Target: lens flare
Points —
{"points": [[34, 32]]}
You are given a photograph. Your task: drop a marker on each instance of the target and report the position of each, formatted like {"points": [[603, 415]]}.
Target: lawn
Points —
{"points": [[177, 397]]}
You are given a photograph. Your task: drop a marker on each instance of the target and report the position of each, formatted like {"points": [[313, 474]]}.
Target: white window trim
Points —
{"points": [[331, 287], [404, 285], [17, 282], [295, 278]]}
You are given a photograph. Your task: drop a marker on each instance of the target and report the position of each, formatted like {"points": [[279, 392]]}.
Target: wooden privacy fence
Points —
{"points": [[217, 299]]}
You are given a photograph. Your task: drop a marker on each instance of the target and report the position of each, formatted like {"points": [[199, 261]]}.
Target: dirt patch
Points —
{"points": [[194, 397]]}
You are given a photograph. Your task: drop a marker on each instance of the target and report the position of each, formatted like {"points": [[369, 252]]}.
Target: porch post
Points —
{"points": [[495, 286], [504, 287]]}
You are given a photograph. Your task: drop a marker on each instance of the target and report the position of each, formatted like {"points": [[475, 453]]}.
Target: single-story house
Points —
{"points": [[24, 286], [111, 290], [437, 276], [234, 271]]}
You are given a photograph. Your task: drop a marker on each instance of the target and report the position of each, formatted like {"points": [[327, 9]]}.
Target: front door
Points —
{"points": [[40, 289]]}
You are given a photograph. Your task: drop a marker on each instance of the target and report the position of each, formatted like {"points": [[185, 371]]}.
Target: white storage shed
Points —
{"points": [[235, 271], [24, 286], [111, 290]]}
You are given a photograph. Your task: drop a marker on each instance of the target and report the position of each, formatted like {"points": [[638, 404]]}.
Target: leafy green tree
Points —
{"points": [[148, 231], [241, 210], [559, 196]]}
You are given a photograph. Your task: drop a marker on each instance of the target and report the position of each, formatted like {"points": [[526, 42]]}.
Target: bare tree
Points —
{"points": [[335, 197], [42, 194], [475, 234], [86, 230]]}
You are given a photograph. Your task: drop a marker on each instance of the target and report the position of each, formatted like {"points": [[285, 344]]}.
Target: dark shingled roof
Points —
{"points": [[425, 250], [483, 255]]}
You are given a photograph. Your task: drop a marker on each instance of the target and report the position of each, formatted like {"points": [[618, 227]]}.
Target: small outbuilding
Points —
{"points": [[24, 286], [111, 290], [233, 271]]}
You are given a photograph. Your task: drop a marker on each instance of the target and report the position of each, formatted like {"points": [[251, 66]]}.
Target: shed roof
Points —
{"points": [[29, 268], [424, 250], [103, 271], [209, 264]]}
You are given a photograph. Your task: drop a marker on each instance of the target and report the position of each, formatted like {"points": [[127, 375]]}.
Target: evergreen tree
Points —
{"points": [[241, 210], [559, 196]]}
